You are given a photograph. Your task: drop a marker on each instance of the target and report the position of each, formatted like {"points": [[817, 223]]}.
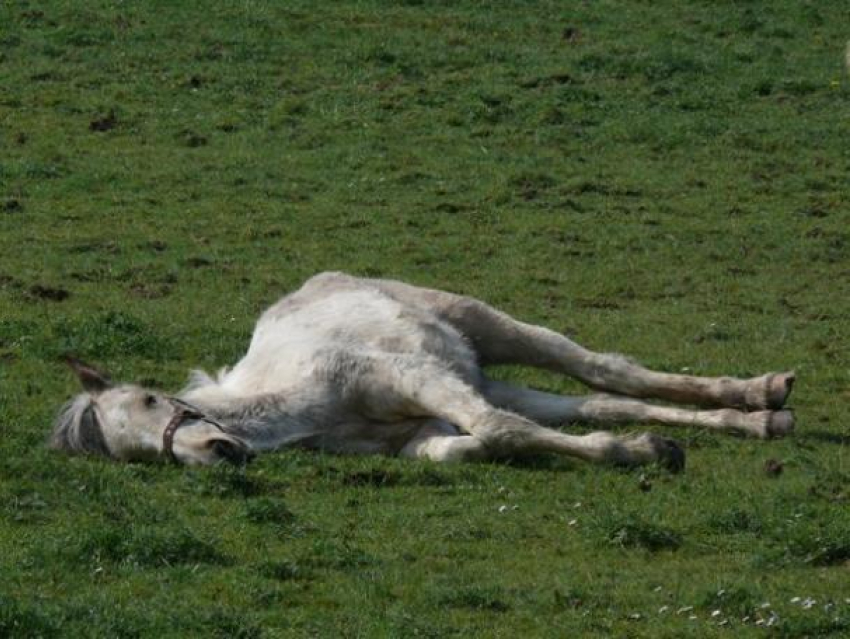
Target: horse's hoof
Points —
{"points": [[670, 453], [779, 424], [674, 457], [779, 386]]}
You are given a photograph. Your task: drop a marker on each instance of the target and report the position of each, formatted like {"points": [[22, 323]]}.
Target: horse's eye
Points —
{"points": [[150, 401]]}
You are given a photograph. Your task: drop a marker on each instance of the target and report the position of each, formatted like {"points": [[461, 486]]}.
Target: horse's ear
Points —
{"points": [[92, 380]]}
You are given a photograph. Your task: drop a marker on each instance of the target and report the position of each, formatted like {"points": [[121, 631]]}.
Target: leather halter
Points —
{"points": [[183, 413]]}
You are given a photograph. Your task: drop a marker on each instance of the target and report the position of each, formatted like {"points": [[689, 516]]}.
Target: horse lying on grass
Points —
{"points": [[351, 365]]}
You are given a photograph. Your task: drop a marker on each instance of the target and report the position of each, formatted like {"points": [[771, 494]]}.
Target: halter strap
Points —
{"points": [[184, 412]]}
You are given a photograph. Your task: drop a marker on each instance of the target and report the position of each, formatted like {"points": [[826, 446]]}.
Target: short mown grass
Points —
{"points": [[667, 180]]}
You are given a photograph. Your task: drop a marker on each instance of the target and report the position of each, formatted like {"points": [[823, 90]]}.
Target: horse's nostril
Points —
{"points": [[233, 452]]}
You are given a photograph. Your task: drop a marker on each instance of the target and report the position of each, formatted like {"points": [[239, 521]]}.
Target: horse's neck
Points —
{"points": [[265, 422]]}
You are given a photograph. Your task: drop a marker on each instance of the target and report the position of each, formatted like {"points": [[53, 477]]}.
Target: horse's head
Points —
{"points": [[130, 423]]}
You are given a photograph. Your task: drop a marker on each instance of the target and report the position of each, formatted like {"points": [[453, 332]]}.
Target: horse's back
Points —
{"points": [[336, 313]]}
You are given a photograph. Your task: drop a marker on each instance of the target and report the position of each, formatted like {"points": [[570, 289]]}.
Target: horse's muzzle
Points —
{"points": [[232, 451]]}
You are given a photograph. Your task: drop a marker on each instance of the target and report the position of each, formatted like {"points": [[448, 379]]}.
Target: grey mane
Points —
{"points": [[77, 429], [200, 379]]}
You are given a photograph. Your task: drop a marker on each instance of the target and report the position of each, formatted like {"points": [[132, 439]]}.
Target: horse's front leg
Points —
{"points": [[393, 387]]}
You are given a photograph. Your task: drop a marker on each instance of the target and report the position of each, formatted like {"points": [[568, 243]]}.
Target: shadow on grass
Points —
{"points": [[19, 619], [824, 437], [226, 481], [40, 618], [481, 598], [146, 547], [632, 530]]}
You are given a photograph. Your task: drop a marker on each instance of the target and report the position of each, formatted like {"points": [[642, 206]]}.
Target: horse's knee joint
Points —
{"points": [[500, 433]]}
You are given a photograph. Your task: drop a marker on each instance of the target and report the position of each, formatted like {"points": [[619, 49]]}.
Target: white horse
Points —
{"points": [[353, 365]]}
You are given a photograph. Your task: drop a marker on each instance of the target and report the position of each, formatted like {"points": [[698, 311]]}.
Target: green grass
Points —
{"points": [[667, 180]]}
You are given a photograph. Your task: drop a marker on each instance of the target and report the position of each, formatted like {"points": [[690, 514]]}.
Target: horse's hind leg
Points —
{"points": [[390, 387], [500, 339], [558, 409]]}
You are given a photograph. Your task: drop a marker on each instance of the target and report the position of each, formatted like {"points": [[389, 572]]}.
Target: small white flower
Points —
{"points": [[572, 522], [693, 617], [721, 592], [502, 508], [724, 622], [684, 609], [716, 613], [663, 609], [808, 603], [795, 599], [766, 604]]}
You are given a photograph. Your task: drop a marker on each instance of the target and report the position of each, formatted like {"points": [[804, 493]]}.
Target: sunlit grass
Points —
{"points": [[666, 180]]}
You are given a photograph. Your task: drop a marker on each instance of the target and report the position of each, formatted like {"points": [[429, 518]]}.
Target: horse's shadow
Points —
{"points": [[824, 437]]}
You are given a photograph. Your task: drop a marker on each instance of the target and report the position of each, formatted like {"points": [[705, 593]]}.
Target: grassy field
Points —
{"points": [[664, 179]]}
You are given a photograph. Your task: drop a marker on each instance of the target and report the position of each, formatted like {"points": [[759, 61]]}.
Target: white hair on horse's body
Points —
{"points": [[352, 365]]}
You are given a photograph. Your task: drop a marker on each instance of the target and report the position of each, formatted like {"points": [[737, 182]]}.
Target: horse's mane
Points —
{"points": [[200, 379], [77, 429]]}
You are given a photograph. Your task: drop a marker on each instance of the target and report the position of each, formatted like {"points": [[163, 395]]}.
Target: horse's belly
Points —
{"points": [[362, 437], [418, 333]]}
